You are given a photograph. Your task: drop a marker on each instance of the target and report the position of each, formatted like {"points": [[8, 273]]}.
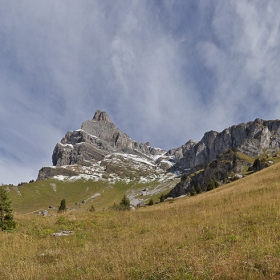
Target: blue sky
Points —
{"points": [[165, 71]]}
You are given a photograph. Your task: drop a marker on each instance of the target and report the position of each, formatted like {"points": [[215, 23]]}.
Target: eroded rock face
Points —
{"points": [[49, 172], [99, 140], [220, 169], [251, 139], [101, 116], [96, 139]]}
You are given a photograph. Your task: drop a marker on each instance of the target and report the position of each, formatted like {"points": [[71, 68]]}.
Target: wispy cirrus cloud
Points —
{"points": [[165, 71]]}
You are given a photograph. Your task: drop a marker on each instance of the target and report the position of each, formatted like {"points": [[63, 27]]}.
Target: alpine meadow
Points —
{"points": [[114, 208], [139, 140], [231, 232]]}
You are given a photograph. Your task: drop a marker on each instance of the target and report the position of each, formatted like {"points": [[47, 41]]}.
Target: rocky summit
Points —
{"points": [[100, 146], [96, 139]]}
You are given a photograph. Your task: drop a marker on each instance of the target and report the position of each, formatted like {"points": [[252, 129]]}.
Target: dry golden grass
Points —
{"points": [[232, 232]]}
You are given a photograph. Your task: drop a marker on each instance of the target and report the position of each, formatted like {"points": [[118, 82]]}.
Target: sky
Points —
{"points": [[165, 71]]}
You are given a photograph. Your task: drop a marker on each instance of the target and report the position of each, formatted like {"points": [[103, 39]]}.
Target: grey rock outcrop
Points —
{"points": [[96, 139], [251, 139], [225, 165], [49, 172], [101, 149], [101, 116]]}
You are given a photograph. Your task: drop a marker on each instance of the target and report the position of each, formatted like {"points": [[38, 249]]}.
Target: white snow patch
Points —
{"points": [[156, 157], [181, 196], [66, 145], [146, 179], [167, 162], [135, 158], [159, 149], [86, 177], [60, 177], [87, 133]]}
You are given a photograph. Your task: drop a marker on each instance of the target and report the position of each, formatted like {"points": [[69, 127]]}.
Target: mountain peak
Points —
{"points": [[101, 116]]}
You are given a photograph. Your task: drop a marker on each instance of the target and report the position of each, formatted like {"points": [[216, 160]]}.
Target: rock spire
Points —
{"points": [[101, 116]]}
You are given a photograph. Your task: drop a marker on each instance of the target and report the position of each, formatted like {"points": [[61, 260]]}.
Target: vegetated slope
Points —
{"points": [[98, 164], [229, 166], [228, 233], [101, 161], [220, 156], [81, 194]]}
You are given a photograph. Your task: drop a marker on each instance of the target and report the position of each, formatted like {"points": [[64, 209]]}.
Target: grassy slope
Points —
{"points": [[42, 194], [232, 232]]}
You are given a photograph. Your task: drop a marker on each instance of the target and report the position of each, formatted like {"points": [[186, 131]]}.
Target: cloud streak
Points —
{"points": [[165, 71]]}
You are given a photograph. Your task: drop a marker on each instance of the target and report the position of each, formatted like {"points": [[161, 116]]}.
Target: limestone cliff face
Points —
{"points": [[251, 139], [96, 139], [99, 140], [225, 165]]}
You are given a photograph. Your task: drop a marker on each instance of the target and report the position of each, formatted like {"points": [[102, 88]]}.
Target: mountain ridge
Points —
{"points": [[250, 138], [99, 150]]}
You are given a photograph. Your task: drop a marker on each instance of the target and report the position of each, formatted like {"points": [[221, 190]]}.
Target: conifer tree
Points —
{"points": [[62, 206], [125, 203], [161, 198], [210, 185], [192, 192], [6, 212], [198, 188], [151, 202]]}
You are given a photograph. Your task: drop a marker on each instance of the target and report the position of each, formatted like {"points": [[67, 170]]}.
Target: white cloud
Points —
{"points": [[245, 59], [164, 71]]}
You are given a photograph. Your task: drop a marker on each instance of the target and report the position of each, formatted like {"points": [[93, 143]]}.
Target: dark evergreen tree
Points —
{"points": [[62, 206], [6, 212], [184, 177], [151, 202], [192, 192], [198, 188], [259, 164], [215, 183], [256, 164], [125, 203], [210, 185], [161, 199]]}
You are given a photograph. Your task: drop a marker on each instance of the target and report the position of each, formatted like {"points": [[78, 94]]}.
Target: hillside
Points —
{"points": [[102, 154], [98, 163], [81, 194], [228, 233]]}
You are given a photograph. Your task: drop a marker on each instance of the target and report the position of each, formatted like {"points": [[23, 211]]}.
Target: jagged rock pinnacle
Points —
{"points": [[101, 116], [96, 139]]}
